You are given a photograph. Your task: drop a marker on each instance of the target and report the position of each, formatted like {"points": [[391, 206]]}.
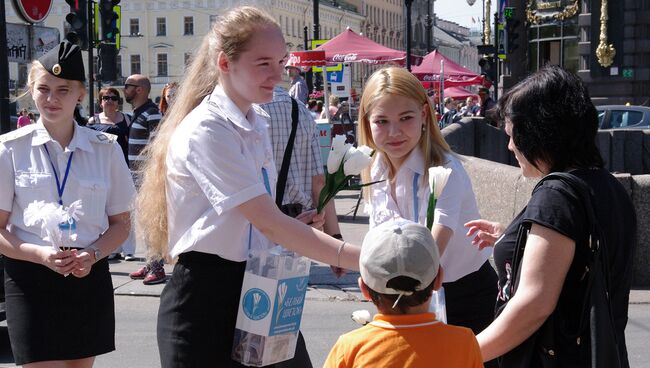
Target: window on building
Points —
{"points": [[187, 58], [161, 26], [134, 26], [162, 65], [293, 27], [555, 44], [213, 19], [188, 26], [135, 64], [118, 61]]}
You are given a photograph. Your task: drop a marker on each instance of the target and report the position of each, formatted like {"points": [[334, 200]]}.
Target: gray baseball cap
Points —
{"points": [[398, 248]]}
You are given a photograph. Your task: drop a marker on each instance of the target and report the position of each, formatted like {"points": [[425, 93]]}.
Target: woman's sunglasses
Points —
{"points": [[110, 98]]}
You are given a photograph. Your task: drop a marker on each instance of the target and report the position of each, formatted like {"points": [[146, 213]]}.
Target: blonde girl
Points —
{"points": [[60, 310], [206, 197], [398, 121]]}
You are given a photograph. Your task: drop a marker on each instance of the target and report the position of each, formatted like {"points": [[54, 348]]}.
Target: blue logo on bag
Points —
{"points": [[256, 304]]}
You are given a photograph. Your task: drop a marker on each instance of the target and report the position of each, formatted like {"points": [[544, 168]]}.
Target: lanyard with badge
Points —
{"points": [[69, 225]]}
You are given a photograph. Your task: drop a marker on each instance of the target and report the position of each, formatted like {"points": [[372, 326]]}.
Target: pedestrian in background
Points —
{"points": [[397, 120], [144, 124], [552, 124], [23, 119], [112, 121], [207, 191], [166, 96], [298, 89], [59, 303]]}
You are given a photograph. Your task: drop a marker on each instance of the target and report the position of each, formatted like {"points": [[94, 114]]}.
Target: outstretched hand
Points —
{"points": [[485, 233]]}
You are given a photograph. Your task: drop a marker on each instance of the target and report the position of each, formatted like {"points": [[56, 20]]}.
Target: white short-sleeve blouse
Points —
{"points": [[456, 206], [218, 159]]}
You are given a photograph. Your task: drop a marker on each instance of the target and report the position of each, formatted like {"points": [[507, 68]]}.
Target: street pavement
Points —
{"points": [[327, 309]]}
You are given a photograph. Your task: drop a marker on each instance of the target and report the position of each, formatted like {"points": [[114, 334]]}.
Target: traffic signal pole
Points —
{"points": [[91, 45], [5, 115]]}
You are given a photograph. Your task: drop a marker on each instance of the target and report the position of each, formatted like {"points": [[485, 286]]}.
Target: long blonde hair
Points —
{"points": [[229, 35], [400, 82]]}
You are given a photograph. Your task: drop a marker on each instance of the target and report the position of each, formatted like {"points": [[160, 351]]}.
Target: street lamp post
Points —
{"points": [[316, 36], [408, 4], [429, 24]]}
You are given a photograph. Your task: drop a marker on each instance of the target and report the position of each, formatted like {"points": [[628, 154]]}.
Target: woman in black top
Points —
{"points": [[552, 125], [110, 120]]}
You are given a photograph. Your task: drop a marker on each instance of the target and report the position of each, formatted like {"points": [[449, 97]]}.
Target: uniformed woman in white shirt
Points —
{"points": [[59, 303], [209, 176], [397, 120]]}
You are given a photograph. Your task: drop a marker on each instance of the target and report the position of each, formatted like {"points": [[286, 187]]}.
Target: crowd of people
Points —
{"points": [[205, 177]]}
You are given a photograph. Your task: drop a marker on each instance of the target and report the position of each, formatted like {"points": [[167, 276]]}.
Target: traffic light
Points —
{"points": [[107, 62], [488, 67], [109, 20], [78, 20], [512, 34]]}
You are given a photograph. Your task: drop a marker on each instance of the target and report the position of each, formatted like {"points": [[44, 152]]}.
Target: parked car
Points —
{"points": [[623, 117]]}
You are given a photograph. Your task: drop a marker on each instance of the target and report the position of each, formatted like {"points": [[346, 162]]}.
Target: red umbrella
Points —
{"points": [[350, 47], [455, 75]]}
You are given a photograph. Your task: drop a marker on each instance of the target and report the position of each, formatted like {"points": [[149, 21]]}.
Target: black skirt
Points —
{"points": [[198, 313], [52, 317]]}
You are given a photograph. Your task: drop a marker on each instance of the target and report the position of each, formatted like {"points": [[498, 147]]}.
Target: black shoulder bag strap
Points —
{"points": [[286, 160]]}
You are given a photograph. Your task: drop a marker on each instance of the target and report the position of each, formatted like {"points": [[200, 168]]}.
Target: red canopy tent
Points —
{"points": [[350, 47], [458, 93], [454, 75]]}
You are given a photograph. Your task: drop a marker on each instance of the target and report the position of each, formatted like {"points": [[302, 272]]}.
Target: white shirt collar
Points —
{"points": [[221, 100], [79, 138], [414, 162]]}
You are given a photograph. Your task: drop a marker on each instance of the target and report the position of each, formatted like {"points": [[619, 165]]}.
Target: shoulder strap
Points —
{"points": [[286, 160], [127, 118]]}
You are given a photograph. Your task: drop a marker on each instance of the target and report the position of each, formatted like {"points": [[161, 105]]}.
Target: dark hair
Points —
{"points": [[553, 120], [385, 301]]}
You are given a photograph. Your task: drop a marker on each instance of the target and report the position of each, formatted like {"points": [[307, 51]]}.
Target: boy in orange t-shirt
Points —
{"points": [[400, 267]]}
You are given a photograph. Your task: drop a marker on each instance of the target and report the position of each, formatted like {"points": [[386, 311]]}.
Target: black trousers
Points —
{"points": [[198, 312], [471, 301]]}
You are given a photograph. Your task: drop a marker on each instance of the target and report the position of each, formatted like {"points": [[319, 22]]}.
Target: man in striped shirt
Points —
{"points": [[146, 116]]}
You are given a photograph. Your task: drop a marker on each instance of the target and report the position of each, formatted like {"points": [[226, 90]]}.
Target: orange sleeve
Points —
{"points": [[476, 359], [336, 357]]}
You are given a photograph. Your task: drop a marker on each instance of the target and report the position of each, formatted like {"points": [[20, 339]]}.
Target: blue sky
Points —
{"points": [[460, 12]]}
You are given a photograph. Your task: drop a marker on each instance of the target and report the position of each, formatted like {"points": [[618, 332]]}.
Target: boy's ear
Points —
{"points": [[437, 282], [364, 289]]}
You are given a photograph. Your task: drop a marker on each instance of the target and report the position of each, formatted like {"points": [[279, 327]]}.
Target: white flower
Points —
{"points": [[74, 210], [355, 161], [339, 148], [361, 316], [365, 149], [438, 176]]}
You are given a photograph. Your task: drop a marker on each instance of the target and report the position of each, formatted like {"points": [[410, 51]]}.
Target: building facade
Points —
{"points": [[158, 38], [569, 32]]}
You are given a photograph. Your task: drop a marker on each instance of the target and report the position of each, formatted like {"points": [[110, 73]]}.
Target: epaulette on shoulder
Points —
{"points": [[21, 132], [102, 137]]}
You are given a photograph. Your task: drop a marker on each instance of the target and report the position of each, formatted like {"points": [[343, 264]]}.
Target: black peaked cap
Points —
{"points": [[65, 62]]}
